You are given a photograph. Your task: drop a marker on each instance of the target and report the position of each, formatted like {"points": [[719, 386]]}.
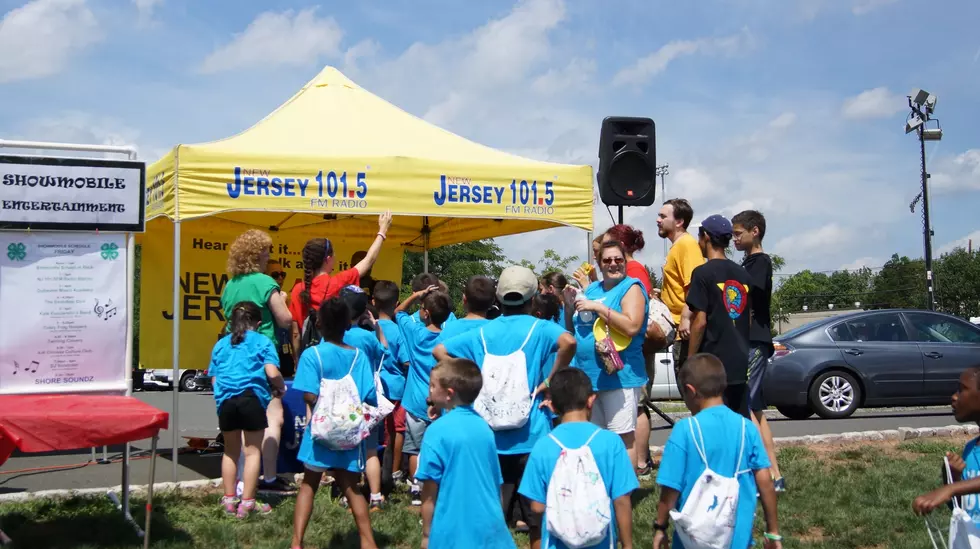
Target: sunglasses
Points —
{"points": [[278, 274], [613, 260]]}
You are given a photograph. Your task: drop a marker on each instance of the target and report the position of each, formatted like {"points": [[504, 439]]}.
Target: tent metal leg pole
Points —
{"points": [[175, 378], [93, 455], [149, 491]]}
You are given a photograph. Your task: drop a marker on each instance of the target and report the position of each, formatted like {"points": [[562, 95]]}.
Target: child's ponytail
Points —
{"points": [[245, 315]]}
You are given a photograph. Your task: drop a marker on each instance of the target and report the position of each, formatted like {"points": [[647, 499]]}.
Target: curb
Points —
{"points": [[900, 434]]}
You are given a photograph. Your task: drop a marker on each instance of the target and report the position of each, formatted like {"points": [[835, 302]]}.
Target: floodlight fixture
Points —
{"points": [[913, 123], [919, 97], [932, 134]]}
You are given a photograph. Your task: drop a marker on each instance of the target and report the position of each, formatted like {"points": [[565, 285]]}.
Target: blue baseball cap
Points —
{"points": [[717, 225]]}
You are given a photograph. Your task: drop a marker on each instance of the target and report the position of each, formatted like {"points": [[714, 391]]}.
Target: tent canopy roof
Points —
{"points": [[335, 151]]}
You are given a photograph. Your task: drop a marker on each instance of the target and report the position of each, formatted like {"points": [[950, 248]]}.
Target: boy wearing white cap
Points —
{"points": [[514, 341]]}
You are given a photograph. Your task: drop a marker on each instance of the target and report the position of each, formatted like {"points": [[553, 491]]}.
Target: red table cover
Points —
{"points": [[45, 423]]}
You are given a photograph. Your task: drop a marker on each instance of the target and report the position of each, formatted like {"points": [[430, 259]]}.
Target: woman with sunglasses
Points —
{"points": [[621, 303]]}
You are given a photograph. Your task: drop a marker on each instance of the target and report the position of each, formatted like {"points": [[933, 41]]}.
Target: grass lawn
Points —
{"points": [[855, 496]]}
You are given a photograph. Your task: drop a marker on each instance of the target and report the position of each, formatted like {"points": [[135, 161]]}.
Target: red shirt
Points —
{"points": [[323, 288], [635, 269]]}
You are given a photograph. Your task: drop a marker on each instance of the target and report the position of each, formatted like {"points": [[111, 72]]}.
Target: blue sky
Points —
{"points": [[793, 107]]}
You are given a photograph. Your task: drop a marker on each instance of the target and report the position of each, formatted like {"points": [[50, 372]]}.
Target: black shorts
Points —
{"points": [[736, 397], [512, 469], [242, 412]]}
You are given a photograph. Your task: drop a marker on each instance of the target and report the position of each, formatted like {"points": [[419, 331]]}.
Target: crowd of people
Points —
{"points": [[529, 410]]}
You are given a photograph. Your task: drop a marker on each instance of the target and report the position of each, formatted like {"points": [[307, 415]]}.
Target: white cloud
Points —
{"points": [[39, 38], [874, 103], [964, 242], [862, 7], [574, 77], [783, 121], [85, 128], [862, 262], [817, 241], [274, 39], [655, 63], [146, 8], [960, 172]]}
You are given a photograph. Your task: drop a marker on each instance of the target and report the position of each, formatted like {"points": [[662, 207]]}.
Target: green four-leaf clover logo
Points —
{"points": [[110, 251], [16, 251]]}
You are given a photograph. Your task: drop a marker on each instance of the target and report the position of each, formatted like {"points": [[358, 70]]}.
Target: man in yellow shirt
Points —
{"points": [[684, 256]]}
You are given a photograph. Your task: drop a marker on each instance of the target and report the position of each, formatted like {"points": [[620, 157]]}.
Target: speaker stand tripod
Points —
{"points": [[656, 409]]}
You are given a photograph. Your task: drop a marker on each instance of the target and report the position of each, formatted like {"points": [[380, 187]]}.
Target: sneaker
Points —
{"points": [[249, 507], [780, 485], [521, 527], [343, 502], [416, 492], [278, 485], [397, 476], [230, 505], [645, 472], [376, 505]]}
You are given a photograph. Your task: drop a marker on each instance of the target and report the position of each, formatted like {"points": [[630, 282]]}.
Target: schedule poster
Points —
{"points": [[63, 312]]}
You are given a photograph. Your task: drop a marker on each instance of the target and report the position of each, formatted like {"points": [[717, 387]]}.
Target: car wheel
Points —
{"points": [[835, 395], [795, 412], [187, 382]]}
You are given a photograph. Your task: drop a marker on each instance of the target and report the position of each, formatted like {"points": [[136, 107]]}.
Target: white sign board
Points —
{"points": [[71, 194], [63, 312]]}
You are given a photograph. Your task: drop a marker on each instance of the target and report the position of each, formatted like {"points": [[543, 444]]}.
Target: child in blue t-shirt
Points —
{"points": [[332, 359], [366, 334], [458, 466], [965, 468], [478, 298], [393, 373], [243, 365], [704, 381], [421, 338], [572, 397], [546, 348]]}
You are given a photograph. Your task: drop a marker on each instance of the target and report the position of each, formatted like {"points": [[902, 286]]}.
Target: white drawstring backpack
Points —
{"points": [[385, 406], [963, 532], [578, 507], [338, 420], [505, 399], [707, 520]]}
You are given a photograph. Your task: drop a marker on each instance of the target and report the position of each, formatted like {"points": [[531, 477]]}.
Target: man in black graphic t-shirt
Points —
{"points": [[719, 300]]}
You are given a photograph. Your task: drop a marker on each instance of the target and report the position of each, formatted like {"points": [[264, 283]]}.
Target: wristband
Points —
{"points": [[658, 526], [383, 237], [547, 383], [773, 537]]}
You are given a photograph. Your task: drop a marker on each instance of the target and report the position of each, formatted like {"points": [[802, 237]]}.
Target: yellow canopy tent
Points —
{"points": [[326, 163]]}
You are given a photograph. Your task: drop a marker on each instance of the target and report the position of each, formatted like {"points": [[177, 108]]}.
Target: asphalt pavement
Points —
{"points": [[197, 417]]}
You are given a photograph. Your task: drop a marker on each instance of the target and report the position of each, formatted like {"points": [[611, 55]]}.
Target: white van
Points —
{"points": [[665, 382]]}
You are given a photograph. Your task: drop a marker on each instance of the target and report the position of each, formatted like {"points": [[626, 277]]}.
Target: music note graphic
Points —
{"points": [[36, 365], [16, 365], [108, 310], [98, 309], [110, 313]]}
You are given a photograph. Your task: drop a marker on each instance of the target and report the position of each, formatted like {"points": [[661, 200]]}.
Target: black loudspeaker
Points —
{"points": [[627, 161]]}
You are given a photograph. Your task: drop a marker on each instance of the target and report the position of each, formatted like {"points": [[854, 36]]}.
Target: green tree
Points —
{"points": [[454, 265], [957, 283], [900, 283], [552, 261]]}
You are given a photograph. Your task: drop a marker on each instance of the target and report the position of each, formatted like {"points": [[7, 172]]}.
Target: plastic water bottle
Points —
{"points": [[588, 317]]}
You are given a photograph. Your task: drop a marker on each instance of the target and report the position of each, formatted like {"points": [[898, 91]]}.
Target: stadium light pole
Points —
{"points": [[922, 105]]}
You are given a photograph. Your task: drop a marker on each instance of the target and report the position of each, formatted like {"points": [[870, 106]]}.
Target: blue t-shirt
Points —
{"points": [[971, 502], [395, 369], [458, 453], [420, 342], [610, 456], [336, 362], [369, 344], [634, 372], [681, 464], [452, 318], [505, 335], [461, 326], [237, 368]]}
